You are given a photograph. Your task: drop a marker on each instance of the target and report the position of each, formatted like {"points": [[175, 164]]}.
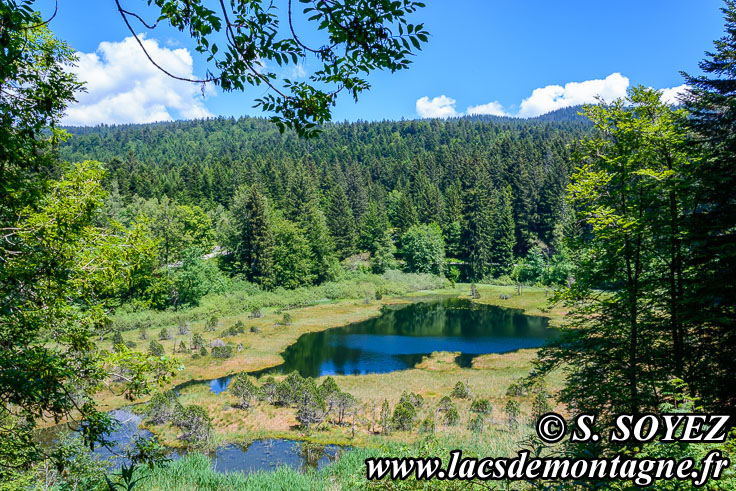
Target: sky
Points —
{"points": [[516, 58]]}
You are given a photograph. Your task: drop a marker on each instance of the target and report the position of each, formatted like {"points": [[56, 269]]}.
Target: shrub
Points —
{"points": [[183, 347], [385, 418], [481, 406], [286, 319], [222, 351], [203, 351], [268, 390], [415, 400], [244, 389], [165, 334], [477, 424], [460, 391], [195, 424], [254, 329], [117, 339], [452, 417], [131, 344], [513, 411], [234, 330], [197, 341], [143, 334], [155, 348], [163, 408], [540, 406], [211, 324], [183, 328], [287, 392], [310, 405], [427, 425], [404, 415], [256, 314]]}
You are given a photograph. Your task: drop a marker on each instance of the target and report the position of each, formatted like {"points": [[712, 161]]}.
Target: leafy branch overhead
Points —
{"points": [[359, 36]]}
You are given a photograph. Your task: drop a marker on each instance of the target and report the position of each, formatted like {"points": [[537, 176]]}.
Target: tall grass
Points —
{"points": [[246, 297], [194, 472]]}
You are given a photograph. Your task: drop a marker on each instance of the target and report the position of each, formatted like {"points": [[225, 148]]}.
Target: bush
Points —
{"points": [[404, 415], [452, 417], [244, 389], [155, 348], [163, 408], [211, 324], [477, 424], [481, 406], [197, 341], [460, 391], [165, 334], [222, 351], [268, 390], [183, 328], [385, 419], [117, 339], [286, 319], [427, 425], [310, 405], [234, 330], [415, 400], [195, 424], [203, 351], [254, 329], [513, 411]]}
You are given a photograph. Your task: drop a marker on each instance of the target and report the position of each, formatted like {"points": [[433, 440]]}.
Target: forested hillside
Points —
{"points": [[477, 178]]}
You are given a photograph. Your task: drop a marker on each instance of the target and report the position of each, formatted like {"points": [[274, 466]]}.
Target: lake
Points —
{"points": [[259, 455], [403, 334]]}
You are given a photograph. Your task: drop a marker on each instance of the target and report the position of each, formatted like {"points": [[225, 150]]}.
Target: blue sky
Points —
{"points": [[490, 55]]}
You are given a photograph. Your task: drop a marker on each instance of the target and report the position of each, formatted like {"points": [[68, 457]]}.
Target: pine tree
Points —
{"points": [[253, 235], [340, 221], [406, 214], [478, 232], [709, 307], [504, 238]]}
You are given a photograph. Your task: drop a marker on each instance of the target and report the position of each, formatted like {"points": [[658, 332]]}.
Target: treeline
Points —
{"points": [[478, 191]]}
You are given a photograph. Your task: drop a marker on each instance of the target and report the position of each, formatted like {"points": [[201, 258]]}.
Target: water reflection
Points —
{"points": [[402, 335]]}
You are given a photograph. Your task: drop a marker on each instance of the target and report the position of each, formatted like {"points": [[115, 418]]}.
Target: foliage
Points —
{"points": [[481, 406], [195, 424], [196, 278], [242, 387], [423, 249], [461, 391], [155, 348], [222, 351], [625, 343], [163, 407], [404, 415]]}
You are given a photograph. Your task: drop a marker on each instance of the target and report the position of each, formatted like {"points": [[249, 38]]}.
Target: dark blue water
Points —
{"points": [[402, 335], [259, 455]]}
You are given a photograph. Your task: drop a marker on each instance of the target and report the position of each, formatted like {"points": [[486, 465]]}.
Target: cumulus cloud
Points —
{"points": [[672, 95], [124, 87], [439, 107], [552, 97], [492, 108]]}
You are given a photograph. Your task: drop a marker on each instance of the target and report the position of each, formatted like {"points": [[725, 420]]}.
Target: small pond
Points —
{"points": [[403, 334], [258, 455]]}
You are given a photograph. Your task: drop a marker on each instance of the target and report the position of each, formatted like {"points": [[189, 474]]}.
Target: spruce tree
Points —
{"points": [[253, 238], [504, 238], [478, 231], [711, 298], [340, 221]]}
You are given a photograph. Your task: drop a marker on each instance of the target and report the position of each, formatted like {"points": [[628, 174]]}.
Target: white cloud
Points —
{"points": [[124, 87], [439, 107], [673, 94], [552, 97], [492, 108], [297, 71]]}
